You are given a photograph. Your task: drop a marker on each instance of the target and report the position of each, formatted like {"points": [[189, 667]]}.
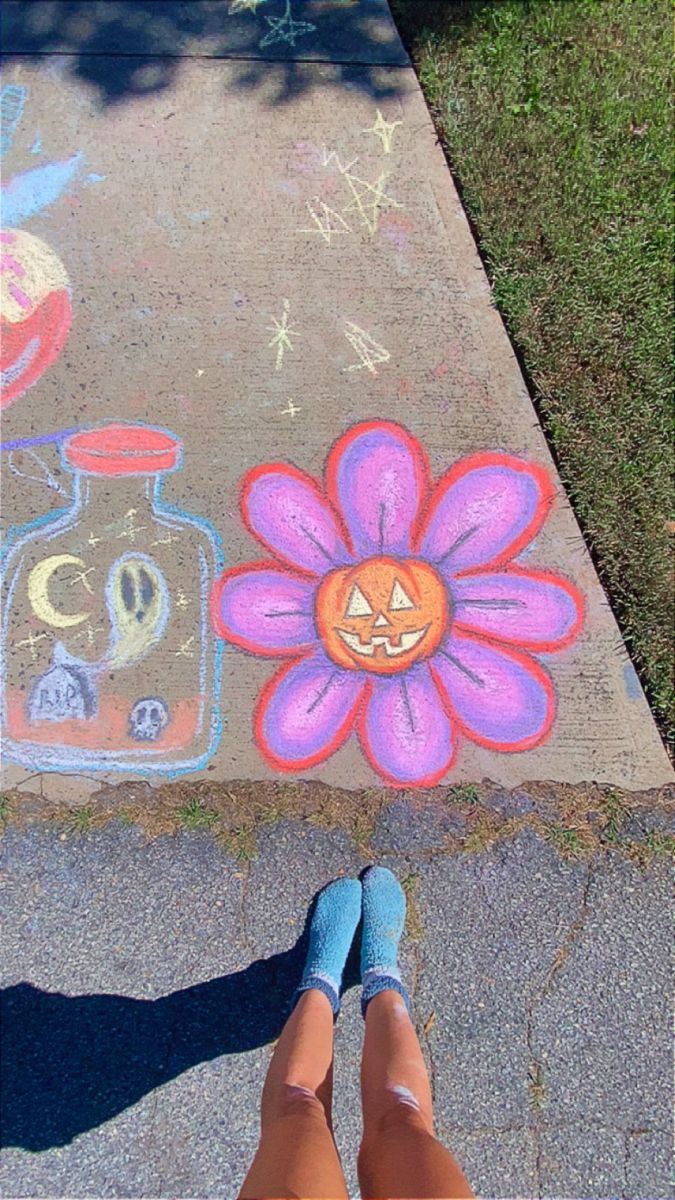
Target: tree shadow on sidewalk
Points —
{"points": [[70, 1063], [127, 49]]}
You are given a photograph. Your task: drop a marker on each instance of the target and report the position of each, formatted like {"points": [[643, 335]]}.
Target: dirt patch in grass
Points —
{"points": [[557, 123]]}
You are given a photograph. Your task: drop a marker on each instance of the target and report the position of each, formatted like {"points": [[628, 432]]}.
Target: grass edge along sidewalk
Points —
{"points": [[557, 123]]}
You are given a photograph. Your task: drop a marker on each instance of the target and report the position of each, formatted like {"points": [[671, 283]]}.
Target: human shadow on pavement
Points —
{"points": [[127, 49], [69, 1063]]}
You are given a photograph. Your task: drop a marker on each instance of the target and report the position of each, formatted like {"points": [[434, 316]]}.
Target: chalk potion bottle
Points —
{"points": [[108, 659]]}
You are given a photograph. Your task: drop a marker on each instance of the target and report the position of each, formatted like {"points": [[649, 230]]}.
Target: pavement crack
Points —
{"points": [[536, 1075], [243, 918], [626, 1163]]}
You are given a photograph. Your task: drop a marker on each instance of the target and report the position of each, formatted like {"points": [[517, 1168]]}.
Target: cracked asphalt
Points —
{"points": [[145, 981]]}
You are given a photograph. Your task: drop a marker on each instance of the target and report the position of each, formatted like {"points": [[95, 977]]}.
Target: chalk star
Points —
{"points": [[369, 351], [81, 577], [245, 5], [32, 640], [181, 599], [131, 527], [285, 29], [282, 335], [89, 632], [327, 221], [291, 410], [368, 199], [184, 650], [384, 130]]}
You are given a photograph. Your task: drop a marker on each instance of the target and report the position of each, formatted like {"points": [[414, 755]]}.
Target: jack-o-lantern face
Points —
{"points": [[382, 615]]}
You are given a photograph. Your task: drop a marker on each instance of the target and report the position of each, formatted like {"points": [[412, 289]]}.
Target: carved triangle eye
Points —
{"points": [[358, 606], [399, 598]]}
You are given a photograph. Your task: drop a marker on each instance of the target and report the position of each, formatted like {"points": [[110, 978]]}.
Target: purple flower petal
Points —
{"points": [[533, 609], [484, 511], [377, 477], [306, 711], [406, 732], [502, 699], [265, 609], [286, 511]]}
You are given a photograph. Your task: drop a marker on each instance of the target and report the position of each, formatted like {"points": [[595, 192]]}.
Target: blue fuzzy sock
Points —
{"points": [[383, 921], [334, 921]]}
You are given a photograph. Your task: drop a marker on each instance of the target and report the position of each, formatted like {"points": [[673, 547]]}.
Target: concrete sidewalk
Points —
{"points": [[146, 979], [238, 233]]}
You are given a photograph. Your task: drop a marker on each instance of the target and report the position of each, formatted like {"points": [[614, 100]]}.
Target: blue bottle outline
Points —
{"points": [[32, 754]]}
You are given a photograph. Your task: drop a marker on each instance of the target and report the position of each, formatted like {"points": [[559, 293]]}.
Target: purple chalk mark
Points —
{"points": [[43, 440], [9, 263], [21, 298]]}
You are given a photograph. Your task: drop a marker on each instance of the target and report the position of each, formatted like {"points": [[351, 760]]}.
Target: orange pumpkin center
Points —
{"points": [[382, 615]]}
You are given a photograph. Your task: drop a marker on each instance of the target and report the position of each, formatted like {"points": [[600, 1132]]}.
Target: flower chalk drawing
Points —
{"points": [[400, 605]]}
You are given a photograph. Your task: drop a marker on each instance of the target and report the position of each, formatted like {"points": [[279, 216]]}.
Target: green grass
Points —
{"points": [[568, 841], [195, 815], [239, 842], [4, 809], [81, 820], [464, 793], [613, 817], [557, 122]]}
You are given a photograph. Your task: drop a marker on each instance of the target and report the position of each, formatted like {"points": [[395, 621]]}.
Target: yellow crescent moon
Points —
{"points": [[38, 591]]}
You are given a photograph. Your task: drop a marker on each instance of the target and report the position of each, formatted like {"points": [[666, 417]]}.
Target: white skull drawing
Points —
{"points": [[148, 719]]}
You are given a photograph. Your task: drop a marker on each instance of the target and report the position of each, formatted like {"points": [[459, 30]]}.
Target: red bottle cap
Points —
{"points": [[119, 449]]}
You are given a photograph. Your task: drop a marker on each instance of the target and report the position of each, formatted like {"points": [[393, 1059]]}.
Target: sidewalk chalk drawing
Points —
{"points": [[99, 601], [35, 311], [400, 606], [12, 101], [35, 294]]}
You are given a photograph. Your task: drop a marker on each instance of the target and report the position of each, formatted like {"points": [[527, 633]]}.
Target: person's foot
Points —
{"points": [[334, 922], [383, 922]]}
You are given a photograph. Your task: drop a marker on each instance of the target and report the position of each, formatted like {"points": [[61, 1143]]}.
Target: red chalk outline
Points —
{"points": [[417, 452], [476, 462], [540, 675], [278, 468], [224, 631], [426, 781], [49, 322], [546, 647], [301, 764]]}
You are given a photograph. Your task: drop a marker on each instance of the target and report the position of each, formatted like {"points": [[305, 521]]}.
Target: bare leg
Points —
{"points": [[399, 1155], [297, 1154]]}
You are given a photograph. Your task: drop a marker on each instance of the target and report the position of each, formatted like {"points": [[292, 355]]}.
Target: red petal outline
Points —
{"points": [[301, 764], [223, 630], [49, 322], [428, 780], [474, 462], [419, 456], [535, 669], [479, 635], [278, 468]]}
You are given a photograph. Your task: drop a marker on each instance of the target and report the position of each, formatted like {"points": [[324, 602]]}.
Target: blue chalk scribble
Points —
{"points": [[12, 101], [32, 191]]}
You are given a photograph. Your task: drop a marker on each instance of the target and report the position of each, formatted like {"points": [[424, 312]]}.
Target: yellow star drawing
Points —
{"points": [[244, 5], [282, 335], [369, 351], [384, 130], [326, 220], [368, 199]]}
